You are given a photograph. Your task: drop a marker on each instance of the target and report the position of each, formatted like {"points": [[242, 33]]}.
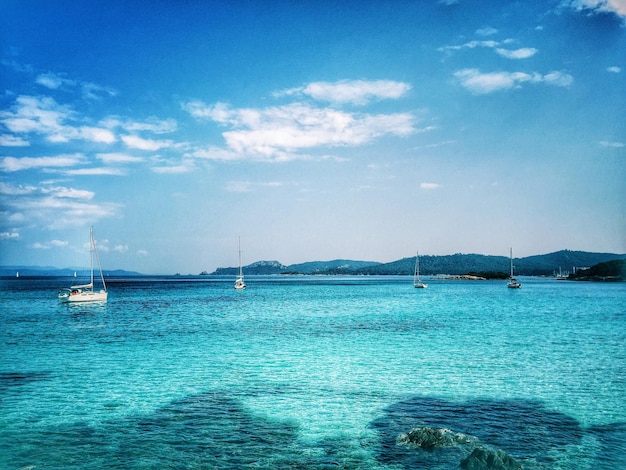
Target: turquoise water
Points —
{"points": [[311, 372]]}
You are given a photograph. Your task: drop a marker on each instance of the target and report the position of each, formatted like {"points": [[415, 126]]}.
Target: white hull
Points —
{"points": [[239, 284], [417, 282], [80, 296], [513, 284], [85, 292]]}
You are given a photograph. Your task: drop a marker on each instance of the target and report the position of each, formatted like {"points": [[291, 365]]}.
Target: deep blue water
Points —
{"points": [[311, 372]]}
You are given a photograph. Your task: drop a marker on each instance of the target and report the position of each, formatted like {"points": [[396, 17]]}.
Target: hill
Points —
{"points": [[339, 266], [37, 271], [609, 271], [457, 264]]}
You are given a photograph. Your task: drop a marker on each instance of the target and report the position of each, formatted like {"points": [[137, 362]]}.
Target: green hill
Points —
{"points": [[608, 271], [457, 264]]}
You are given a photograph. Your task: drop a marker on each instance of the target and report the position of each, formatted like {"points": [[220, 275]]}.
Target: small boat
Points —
{"points": [[239, 284], [86, 292], [513, 284], [417, 281]]}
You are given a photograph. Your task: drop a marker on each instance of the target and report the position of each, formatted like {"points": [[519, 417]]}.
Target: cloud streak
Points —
{"points": [[513, 54], [617, 7], [483, 83], [11, 164], [42, 115], [279, 133], [356, 92]]}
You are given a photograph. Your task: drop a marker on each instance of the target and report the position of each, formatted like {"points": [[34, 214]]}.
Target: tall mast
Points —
{"points": [[91, 249], [93, 245], [240, 269]]}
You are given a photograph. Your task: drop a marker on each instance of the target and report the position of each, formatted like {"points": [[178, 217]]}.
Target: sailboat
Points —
{"points": [[86, 292], [513, 284], [239, 284], [417, 282]]}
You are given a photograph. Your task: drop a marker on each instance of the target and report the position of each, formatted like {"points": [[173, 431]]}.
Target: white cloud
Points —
{"points": [[483, 83], [13, 141], [43, 115], [275, 133], [95, 134], [614, 69], [358, 92], [59, 213], [486, 31], [16, 164], [430, 185], [603, 6], [605, 143], [70, 193], [110, 158], [13, 190], [89, 90], [173, 169], [136, 142], [92, 91], [471, 45], [53, 81], [53, 206], [49, 245], [523, 53], [35, 114], [558, 78], [219, 112], [9, 235], [152, 124]]}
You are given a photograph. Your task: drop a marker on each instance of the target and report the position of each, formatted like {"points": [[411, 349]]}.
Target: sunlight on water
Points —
{"points": [[311, 372]]}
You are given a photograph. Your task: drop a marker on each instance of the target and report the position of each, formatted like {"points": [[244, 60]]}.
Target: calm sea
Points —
{"points": [[311, 372]]}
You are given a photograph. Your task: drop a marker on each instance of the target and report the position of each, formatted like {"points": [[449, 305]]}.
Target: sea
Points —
{"points": [[313, 372]]}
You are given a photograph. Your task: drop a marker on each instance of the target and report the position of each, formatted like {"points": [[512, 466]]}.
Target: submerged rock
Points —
{"points": [[485, 459], [433, 438]]}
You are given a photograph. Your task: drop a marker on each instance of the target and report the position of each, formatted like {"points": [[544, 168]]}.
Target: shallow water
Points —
{"points": [[311, 372]]}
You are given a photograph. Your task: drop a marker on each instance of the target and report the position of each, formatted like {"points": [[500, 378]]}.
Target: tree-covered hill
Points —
{"points": [[608, 271], [457, 264]]}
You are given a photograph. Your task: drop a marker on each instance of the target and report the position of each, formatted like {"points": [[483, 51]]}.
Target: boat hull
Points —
{"points": [[69, 296], [513, 284]]}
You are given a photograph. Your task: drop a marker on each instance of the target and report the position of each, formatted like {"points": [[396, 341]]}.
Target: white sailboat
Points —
{"points": [[513, 284], [417, 282], [239, 284], [86, 292]]}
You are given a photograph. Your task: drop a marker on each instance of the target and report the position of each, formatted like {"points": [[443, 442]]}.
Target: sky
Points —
{"points": [[313, 130]]}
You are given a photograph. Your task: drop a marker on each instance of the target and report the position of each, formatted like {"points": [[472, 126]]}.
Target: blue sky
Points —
{"points": [[314, 130]]}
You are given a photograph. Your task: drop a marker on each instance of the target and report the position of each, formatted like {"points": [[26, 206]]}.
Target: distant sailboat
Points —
{"points": [[86, 292], [17, 274], [513, 284], [417, 282], [239, 284]]}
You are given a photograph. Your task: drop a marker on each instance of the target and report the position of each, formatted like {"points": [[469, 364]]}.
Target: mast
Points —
{"points": [[240, 268], [511, 261], [417, 265], [91, 250], [93, 244]]}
